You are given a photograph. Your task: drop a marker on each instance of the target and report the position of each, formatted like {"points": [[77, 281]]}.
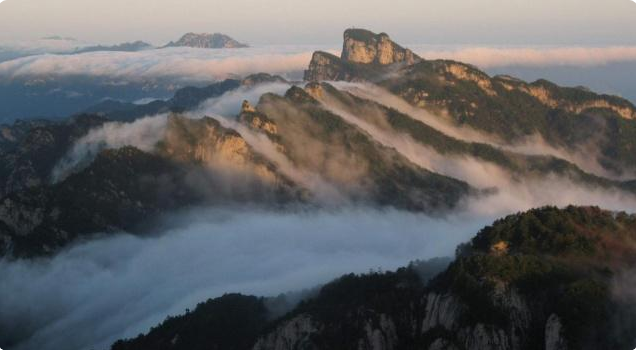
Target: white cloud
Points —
{"points": [[489, 57], [94, 293], [143, 133], [177, 64]]}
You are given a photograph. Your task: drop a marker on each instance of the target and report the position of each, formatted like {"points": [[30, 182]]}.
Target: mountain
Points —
{"points": [[207, 41], [124, 47], [545, 279], [321, 144], [30, 149], [193, 163], [507, 108], [376, 116], [365, 47], [124, 189], [376, 127]]}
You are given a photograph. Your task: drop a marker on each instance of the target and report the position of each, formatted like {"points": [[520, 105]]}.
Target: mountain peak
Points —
{"points": [[364, 46], [207, 41], [365, 55], [247, 107]]}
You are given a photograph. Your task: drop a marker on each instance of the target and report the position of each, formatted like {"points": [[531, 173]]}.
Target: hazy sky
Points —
{"points": [[518, 22]]}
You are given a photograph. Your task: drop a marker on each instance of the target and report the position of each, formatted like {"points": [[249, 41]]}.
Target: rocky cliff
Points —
{"points": [[363, 46], [364, 56]]}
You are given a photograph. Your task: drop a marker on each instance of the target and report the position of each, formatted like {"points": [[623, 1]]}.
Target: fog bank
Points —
{"points": [[96, 292], [179, 65], [489, 57]]}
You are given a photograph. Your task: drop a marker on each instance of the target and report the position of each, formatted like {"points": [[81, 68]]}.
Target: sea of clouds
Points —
{"points": [[179, 64], [95, 292]]}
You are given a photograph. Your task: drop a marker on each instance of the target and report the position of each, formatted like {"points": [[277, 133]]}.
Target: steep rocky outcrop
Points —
{"points": [[205, 141], [328, 67], [363, 46], [207, 41], [257, 121], [293, 334], [365, 57]]}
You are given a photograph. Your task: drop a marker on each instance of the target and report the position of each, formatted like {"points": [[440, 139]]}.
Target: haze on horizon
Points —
{"points": [[500, 22]]}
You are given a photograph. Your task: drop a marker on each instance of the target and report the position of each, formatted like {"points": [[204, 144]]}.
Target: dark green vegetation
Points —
{"points": [[117, 190], [30, 150], [230, 322], [544, 279], [562, 262]]}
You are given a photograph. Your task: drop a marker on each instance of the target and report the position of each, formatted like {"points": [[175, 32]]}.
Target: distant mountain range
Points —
{"points": [[194, 40], [125, 47], [207, 41]]}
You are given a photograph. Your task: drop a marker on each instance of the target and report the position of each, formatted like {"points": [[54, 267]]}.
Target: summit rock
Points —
{"points": [[363, 46]]}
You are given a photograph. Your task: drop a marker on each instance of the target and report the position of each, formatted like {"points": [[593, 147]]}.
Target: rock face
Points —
{"points": [[295, 334], [363, 46], [365, 55], [325, 66], [207, 41], [554, 334]]}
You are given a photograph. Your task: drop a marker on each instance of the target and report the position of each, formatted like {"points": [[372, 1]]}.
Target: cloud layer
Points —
{"points": [[133, 283], [489, 57], [177, 64]]}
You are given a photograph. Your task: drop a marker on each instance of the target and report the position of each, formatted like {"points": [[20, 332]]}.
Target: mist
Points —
{"points": [[489, 57], [178, 65], [146, 132], [96, 292], [584, 157], [143, 133], [511, 192]]}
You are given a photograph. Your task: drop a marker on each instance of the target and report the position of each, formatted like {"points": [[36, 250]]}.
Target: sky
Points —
{"points": [[491, 22]]}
